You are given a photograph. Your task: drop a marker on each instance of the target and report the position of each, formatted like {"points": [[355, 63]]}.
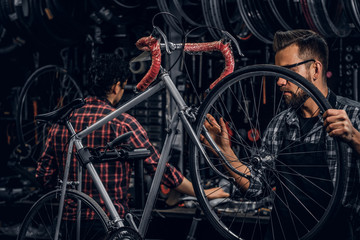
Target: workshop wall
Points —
{"points": [[68, 34]]}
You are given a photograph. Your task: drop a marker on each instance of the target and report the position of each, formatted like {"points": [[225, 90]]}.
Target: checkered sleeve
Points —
{"points": [[46, 171], [351, 198]]}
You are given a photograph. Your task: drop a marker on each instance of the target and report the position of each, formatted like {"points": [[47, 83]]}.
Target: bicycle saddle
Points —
{"points": [[60, 114]]}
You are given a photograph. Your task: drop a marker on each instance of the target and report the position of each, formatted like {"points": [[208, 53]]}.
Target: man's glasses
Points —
{"points": [[298, 64]]}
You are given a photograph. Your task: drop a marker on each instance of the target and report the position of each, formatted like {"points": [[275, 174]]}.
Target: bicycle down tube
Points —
{"points": [[177, 115], [76, 140]]}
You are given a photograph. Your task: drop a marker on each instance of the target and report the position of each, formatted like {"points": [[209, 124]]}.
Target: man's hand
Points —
{"points": [[338, 124]]}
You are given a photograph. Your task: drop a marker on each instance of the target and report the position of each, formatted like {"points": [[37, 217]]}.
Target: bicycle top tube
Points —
{"points": [[152, 45]]}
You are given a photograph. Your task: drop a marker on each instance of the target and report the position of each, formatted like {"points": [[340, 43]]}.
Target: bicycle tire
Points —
{"points": [[293, 9], [209, 21], [276, 10], [239, 216], [40, 221], [189, 19], [352, 9], [308, 17], [226, 16], [329, 19], [253, 23], [181, 25], [47, 89]]}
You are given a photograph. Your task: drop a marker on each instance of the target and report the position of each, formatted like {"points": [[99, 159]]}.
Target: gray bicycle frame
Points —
{"points": [[180, 114]]}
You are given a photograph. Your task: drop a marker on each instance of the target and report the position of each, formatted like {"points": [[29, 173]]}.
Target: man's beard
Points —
{"points": [[296, 100]]}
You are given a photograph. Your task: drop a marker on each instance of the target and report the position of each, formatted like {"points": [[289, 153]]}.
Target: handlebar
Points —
{"points": [[215, 46], [152, 45]]}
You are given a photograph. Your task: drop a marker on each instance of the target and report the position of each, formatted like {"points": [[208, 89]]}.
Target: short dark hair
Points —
{"points": [[106, 70], [310, 43]]}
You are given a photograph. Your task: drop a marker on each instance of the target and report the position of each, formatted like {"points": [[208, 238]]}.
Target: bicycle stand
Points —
{"points": [[196, 219]]}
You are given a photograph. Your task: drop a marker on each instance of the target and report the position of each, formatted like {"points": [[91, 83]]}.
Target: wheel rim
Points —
{"points": [[47, 89], [238, 217], [40, 223]]}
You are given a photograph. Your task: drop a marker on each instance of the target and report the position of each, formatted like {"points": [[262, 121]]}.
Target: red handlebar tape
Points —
{"points": [[215, 46], [153, 45]]}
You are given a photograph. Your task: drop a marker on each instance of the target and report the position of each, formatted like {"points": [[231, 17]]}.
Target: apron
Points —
{"points": [[283, 220], [340, 228], [297, 189]]}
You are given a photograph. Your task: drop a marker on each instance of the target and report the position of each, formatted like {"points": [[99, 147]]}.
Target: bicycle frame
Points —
{"points": [[180, 114]]}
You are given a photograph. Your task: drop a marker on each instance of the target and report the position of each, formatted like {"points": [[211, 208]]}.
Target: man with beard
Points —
{"points": [[306, 53]]}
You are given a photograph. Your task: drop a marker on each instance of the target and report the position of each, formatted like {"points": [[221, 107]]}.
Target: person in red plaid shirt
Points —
{"points": [[108, 76]]}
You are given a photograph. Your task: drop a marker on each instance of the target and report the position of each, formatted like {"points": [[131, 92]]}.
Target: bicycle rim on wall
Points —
{"points": [[256, 22], [40, 24], [48, 88], [224, 15], [352, 7], [329, 18], [188, 14]]}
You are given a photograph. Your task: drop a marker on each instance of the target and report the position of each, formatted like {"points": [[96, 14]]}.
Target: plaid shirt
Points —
{"points": [[286, 126], [115, 175]]}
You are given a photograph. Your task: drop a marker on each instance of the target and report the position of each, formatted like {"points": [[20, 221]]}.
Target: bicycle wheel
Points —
{"points": [[48, 88], [40, 222], [248, 100]]}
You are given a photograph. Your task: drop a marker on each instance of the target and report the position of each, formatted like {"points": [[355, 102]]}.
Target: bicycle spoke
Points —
{"points": [[244, 105]]}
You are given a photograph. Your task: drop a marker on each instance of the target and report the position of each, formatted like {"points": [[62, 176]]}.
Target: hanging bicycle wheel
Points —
{"points": [[225, 15], [41, 220], [48, 88], [255, 22], [189, 17], [329, 18], [288, 14], [299, 196], [352, 9]]}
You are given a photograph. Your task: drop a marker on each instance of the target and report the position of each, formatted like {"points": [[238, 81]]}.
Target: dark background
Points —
{"points": [[70, 33]]}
